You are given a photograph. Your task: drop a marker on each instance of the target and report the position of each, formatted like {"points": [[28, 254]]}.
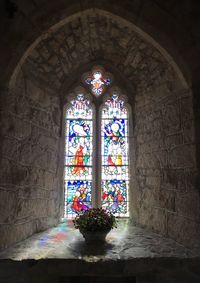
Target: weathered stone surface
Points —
{"points": [[164, 140], [187, 109], [123, 243], [188, 205], [30, 159], [172, 141], [188, 131], [7, 208], [182, 157], [178, 227], [171, 118], [164, 162], [174, 180]]}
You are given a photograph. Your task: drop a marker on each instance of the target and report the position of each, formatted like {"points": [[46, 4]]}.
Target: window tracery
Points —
{"points": [[82, 157]]}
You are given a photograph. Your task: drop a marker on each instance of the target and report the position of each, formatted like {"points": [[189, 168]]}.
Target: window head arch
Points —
{"points": [[91, 178]]}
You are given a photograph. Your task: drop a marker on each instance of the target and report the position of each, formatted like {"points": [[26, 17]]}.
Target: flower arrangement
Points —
{"points": [[95, 220]]}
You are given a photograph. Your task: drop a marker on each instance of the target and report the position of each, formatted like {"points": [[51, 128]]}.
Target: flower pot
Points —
{"points": [[95, 237]]}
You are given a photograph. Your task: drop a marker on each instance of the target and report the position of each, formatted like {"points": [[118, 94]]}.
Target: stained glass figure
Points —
{"points": [[78, 156], [77, 196], [97, 82], [114, 196], [79, 144], [114, 173]]}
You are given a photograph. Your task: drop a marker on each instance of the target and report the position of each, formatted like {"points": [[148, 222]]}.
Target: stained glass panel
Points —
{"points": [[114, 197], [117, 172], [78, 156], [77, 196], [114, 172], [76, 172], [80, 108], [97, 82], [78, 142]]}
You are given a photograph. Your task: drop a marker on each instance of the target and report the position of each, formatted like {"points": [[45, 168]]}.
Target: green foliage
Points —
{"points": [[95, 220]]}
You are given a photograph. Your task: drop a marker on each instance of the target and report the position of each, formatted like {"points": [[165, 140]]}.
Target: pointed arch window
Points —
{"points": [[114, 162], [96, 165], [78, 155]]}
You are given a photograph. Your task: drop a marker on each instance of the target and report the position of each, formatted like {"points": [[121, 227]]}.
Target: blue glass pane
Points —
{"points": [[77, 196], [114, 196]]}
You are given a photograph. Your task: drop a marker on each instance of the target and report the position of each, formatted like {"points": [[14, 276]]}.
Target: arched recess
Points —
{"points": [[32, 119], [100, 177], [34, 20], [97, 13]]}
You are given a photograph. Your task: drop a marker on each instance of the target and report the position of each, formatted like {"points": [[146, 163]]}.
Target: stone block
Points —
{"points": [[162, 158], [56, 115], [40, 208], [52, 161], [27, 208], [159, 221], [7, 205], [70, 41], [26, 153], [182, 157], [48, 180], [13, 173], [21, 106], [141, 180], [173, 141], [48, 142], [187, 112], [24, 209], [171, 118], [41, 158], [16, 128], [154, 218], [188, 205], [148, 160], [188, 131], [148, 198], [5, 173], [173, 179], [52, 208], [13, 233], [153, 182], [165, 199], [183, 230], [191, 180], [10, 148], [38, 96], [41, 118], [33, 192]]}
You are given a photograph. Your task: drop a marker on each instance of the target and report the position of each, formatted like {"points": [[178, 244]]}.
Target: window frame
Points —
{"points": [[97, 103]]}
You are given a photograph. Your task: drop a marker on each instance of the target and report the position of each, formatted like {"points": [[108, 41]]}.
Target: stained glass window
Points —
{"points": [[97, 82], [83, 183], [114, 169], [78, 156]]}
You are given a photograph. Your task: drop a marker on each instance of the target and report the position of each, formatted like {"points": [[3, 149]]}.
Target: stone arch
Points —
{"points": [[95, 12], [33, 114]]}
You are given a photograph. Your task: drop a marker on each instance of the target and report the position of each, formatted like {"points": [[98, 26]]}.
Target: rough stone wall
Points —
{"points": [[166, 197], [93, 36], [164, 155], [30, 124]]}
